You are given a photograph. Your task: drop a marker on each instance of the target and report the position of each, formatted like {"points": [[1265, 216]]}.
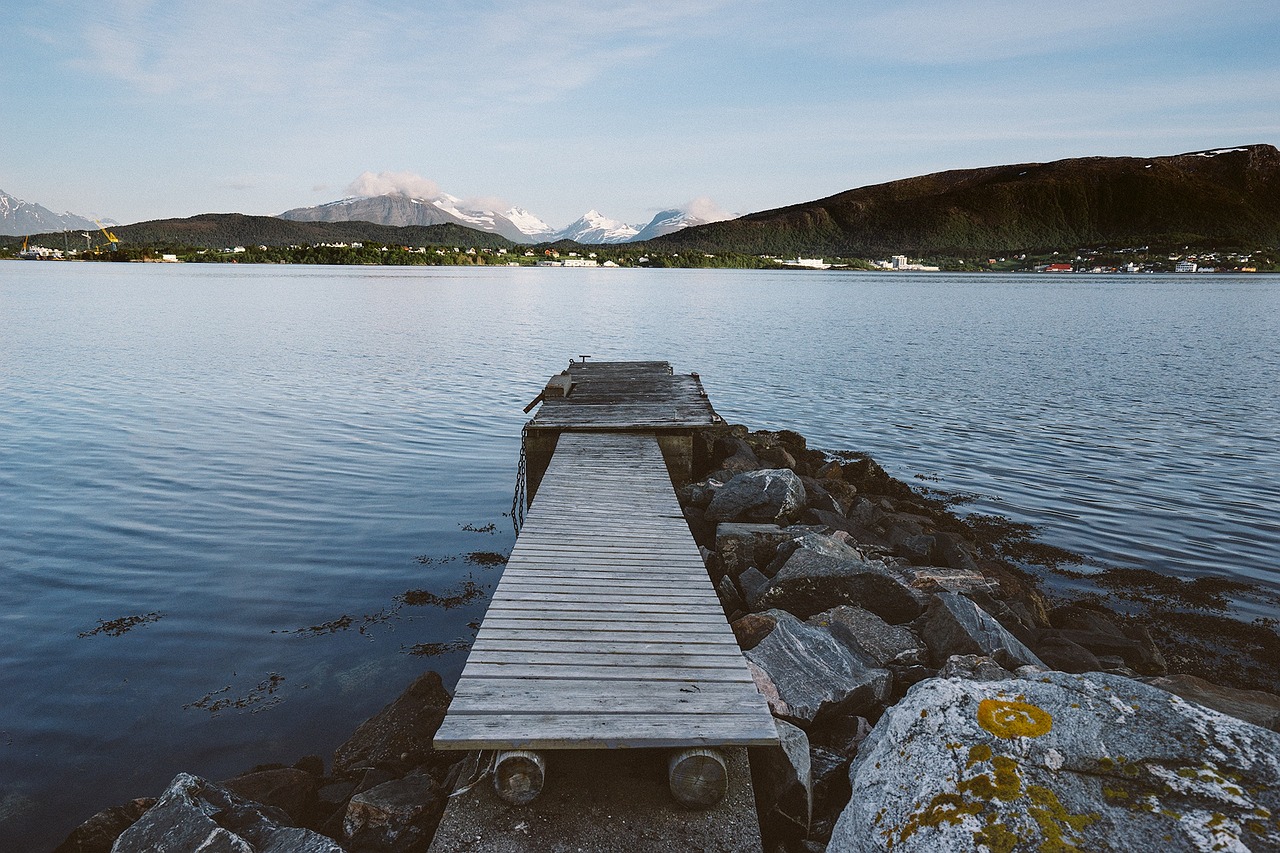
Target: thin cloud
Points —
{"points": [[705, 209]]}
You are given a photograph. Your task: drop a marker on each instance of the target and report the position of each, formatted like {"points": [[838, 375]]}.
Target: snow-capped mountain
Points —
{"points": [[18, 218], [401, 210], [594, 227], [670, 221], [530, 224]]}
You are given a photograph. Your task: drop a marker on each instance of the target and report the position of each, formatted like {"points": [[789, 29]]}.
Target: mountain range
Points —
{"points": [[516, 224], [1222, 197], [18, 217]]}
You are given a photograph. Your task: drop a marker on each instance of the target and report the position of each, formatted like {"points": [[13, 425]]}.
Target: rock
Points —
{"points": [[400, 734], [1062, 762], [750, 629], [704, 532], [1253, 706], [1142, 657], [291, 790], [776, 457], [953, 553], [193, 814], [1079, 617], [312, 764], [870, 636], [930, 580], [772, 494], [822, 572], [783, 782], [954, 625], [742, 545], [698, 494], [829, 771], [818, 498], [830, 471], [908, 542], [399, 815], [1062, 654], [98, 833], [753, 585], [730, 598], [805, 673], [973, 668]]}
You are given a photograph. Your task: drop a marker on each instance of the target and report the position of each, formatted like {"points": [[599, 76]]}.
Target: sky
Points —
{"points": [[138, 110]]}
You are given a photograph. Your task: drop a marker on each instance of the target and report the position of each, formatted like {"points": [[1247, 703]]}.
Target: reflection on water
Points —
{"points": [[248, 450]]}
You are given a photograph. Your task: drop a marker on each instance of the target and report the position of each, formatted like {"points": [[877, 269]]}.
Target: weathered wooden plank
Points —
{"points": [[674, 659], [609, 672], [610, 644], [609, 731]]}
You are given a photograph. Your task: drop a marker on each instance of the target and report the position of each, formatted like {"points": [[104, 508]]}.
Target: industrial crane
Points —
{"points": [[111, 238]]}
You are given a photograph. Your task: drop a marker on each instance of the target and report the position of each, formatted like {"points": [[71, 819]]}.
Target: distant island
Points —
{"points": [[1215, 210]]}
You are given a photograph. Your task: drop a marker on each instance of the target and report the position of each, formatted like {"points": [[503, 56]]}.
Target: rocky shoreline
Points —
{"points": [[928, 696]]}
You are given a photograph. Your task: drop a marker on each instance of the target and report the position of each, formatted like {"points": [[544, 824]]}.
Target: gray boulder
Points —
{"points": [[954, 625], [871, 637], [1057, 761], [783, 780], [805, 674], [822, 572], [973, 668], [194, 814], [773, 494], [98, 833]]}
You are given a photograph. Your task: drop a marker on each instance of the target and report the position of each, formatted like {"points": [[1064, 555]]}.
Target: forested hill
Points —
{"points": [[1224, 197], [225, 230]]}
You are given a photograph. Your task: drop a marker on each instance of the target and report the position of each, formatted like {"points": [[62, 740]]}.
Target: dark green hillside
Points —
{"points": [[222, 230], [1229, 197]]}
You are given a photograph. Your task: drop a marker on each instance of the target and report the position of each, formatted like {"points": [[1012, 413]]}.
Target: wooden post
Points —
{"points": [[697, 777], [518, 775]]}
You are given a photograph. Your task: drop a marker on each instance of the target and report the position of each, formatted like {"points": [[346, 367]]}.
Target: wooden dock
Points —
{"points": [[605, 631]]}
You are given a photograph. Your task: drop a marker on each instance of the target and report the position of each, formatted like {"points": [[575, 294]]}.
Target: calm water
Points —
{"points": [[251, 450]]}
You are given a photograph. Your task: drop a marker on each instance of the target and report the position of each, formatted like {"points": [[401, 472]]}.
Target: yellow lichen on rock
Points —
{"points": [[1013, 719]]}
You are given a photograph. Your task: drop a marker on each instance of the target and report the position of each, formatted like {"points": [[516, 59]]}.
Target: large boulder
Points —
{"points": [[822, 572], [289, 789], [954, 625], [400, 734], [769, 495], [194, 814], [871, 637], [805, 674], [1056, 761]]}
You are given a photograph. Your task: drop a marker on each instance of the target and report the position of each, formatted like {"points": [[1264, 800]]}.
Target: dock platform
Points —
{"points": [[604, 630]]}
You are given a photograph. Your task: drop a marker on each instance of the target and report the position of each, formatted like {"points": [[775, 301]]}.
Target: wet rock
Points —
{"points": [[400, 815], [194, 814], [291, 790], [312, 764], [818, 498], [1062, 654], [870, 636], [400, 734], [783, 782], [973, 668], [805, 673], [1253, 706], [1060, 761], [98, 833], [954, 625], [907, 542], [776, 457], [773, 495], [929, 580], [822, 572], [830, 471], [742, 545]]}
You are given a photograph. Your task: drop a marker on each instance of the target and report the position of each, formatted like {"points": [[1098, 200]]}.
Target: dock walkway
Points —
{"points": [[605, 631]]}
